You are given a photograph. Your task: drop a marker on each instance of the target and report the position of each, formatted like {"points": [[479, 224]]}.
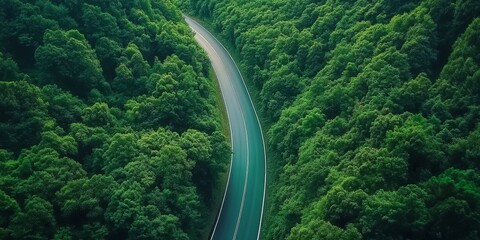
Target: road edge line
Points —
{"points": [[231, 133]]}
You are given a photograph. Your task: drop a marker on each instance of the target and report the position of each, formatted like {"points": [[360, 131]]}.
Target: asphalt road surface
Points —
{"points": [[240, 215]]}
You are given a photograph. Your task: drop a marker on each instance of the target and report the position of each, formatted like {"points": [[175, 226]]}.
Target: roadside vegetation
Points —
{"points": [[109, 122], [374, 108]]}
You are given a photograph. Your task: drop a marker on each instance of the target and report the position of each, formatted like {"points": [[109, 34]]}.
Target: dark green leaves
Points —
{"points": [[370, 102], [88, 90]]}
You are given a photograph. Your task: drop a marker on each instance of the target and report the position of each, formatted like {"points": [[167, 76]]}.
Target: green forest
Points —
{"points": [[109, 122], [372, 111], [110, 126]]}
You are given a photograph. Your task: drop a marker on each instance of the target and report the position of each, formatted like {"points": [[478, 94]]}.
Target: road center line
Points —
{"points": [[258, 121], [248, 158], [246, 175], [231, 139]]}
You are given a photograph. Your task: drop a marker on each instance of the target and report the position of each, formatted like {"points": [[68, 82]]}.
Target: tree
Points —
{"points": [[378, 169], [124, 79], [464, 151], [411, 96], [86, 199], [22, 115], [118, 152], [8, 68], [44, 172], [415, 140], [318, 229], [108, 52], [175, 166], [64, 145], [35, 221], [125, 206], [98, 24], [62, 106], [9, 209], [453, 201], [163, 226], [67, 59], [420, 44], [342, 206], [278, 92], [98, 115], [199, 150], [401, 213]]}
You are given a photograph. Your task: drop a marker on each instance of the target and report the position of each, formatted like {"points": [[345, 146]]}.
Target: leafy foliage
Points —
{"points": [[108, 122], [373, 112]]}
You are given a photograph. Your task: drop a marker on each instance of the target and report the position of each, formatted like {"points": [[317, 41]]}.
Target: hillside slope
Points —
{"points": [[109, 125], [374, 109]]}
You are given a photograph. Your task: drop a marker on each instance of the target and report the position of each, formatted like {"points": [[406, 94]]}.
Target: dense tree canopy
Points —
{"points": [[109, 125], [109, 128], [372, 109]]}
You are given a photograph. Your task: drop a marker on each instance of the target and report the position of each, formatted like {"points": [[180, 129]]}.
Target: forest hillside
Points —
{"points": [[372, 109], [109, 125]]}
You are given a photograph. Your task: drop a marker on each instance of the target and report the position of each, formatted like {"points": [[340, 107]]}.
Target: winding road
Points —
{"points": [[240, 215]]}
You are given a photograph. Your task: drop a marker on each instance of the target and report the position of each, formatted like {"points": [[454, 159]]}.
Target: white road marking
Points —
{"points": [[246, 176], [261, 133], [248, 155]]}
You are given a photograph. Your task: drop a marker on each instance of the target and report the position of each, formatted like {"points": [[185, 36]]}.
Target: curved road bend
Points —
{"points": [[240, 215]]}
